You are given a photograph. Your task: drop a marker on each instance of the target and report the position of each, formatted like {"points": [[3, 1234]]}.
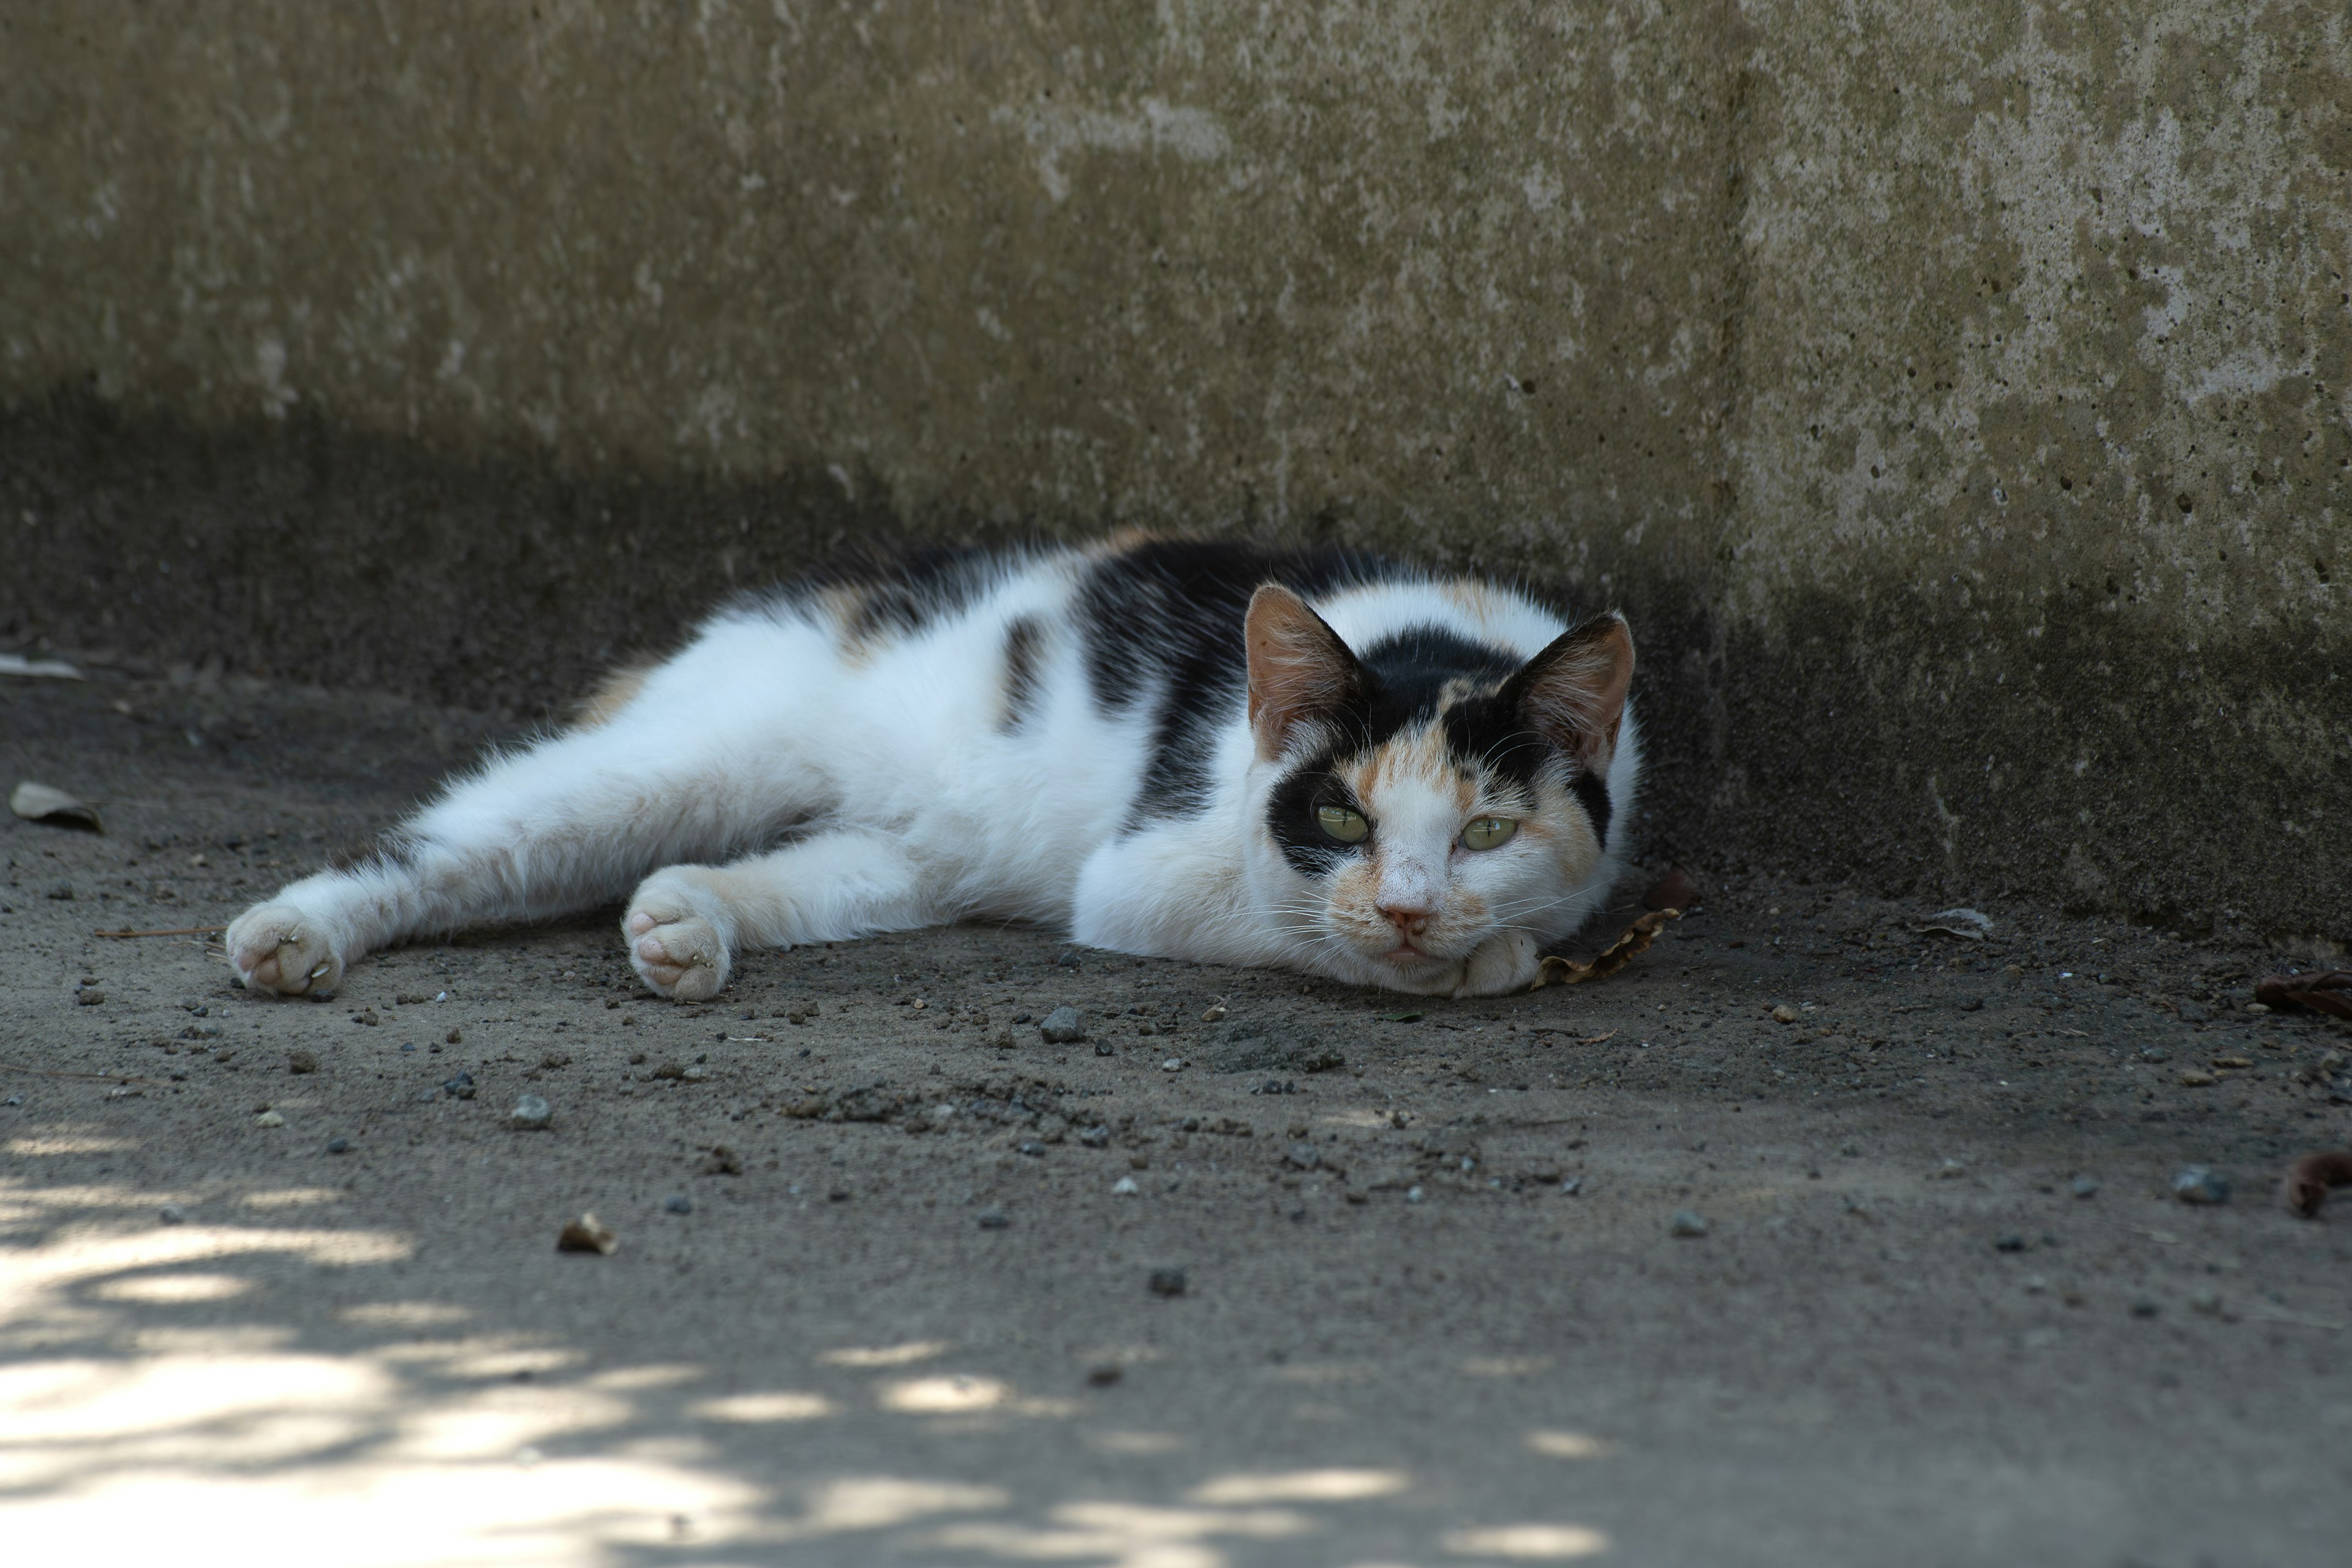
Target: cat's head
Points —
{"points": [[1435, 791]]}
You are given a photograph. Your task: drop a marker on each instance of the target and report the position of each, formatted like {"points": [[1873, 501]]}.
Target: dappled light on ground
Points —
{"points": [[162, 1388]]}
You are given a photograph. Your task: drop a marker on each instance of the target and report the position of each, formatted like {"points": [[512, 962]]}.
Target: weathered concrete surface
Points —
{"points": [[1958, 394]]}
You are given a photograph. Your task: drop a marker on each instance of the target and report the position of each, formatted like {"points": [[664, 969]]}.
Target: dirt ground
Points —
{"points": [[882, 1292]]}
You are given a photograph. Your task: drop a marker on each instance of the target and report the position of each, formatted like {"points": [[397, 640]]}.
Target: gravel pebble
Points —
{"points": [[1167, 1282], [269, 1119], [530, 1114], [301, 1062], [1686, 1223], [2197, 1185], [994, 1219], [1125, 1187], [339, 1145], [171, 1213], [587, 1233], [678, 1203], [2084, 1187], [458, 1087], [1063, 1027]]}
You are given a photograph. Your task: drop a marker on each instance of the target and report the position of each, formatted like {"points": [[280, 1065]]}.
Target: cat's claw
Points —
{"points": [[680, 956], [279, 950]]}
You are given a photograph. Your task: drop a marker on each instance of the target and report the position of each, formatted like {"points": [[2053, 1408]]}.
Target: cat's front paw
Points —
{"points": [[678, 952], [279, 950], [1501, 964]]}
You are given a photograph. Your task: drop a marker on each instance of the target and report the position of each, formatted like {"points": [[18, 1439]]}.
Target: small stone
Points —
{"points": [[2197, 1185], [429, 1094], [2208, 1301], [2152, 1054], [89, 998], [1784, 1013], [1571, 1187], [1095, 1137], [722, 1162], [531, 1114], [2084, 1187], [994, 1219], [458, 1087], [1414, 1194], [1951, 1170], [408, 1048], [1124, 1188], [367, 1016], [1686, 1223], [2145, 1309], [2035, 1284], [2009, 1242], [301, 1062], [269, 1119], [1105, 1374], [587, 1233], [694, 1074], [1301, 1156], [171, 1213], [1147, 1028], [678, 1203], [2193, 1080], [339, 1145], [1173, 1064], [1033, 1149], [553, 1060], [61, 890], [1167, 1282], [1213, 1014], [454, 1037], [1063, 1027]]}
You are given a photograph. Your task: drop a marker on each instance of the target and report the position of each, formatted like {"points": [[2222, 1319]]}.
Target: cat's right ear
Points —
{"points": [[1299, 667]]}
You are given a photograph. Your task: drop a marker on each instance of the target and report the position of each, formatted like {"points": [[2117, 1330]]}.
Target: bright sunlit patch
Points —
{"points": [[292, 1199], [1569, 1445], [1137, 1442], [174, 1288], [952, 1395], [886, 1355], [877, 1502], [654, 1374], [1529, 1542], [1506, 1365], [1301, 1486], [35, 1148], [760, 1407], [404, 1315]]}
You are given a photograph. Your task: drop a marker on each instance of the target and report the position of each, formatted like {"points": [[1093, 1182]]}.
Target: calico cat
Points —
{"points": [[1318, 762]]}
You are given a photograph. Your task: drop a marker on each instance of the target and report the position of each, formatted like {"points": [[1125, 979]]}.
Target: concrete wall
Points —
{"points": [[1959, 395]]}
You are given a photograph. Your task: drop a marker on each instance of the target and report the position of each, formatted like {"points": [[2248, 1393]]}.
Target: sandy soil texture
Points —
{"points": [[895, 1279]]}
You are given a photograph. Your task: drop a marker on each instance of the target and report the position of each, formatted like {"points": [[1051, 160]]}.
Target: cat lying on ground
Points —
{"points": [[1326, 762]]}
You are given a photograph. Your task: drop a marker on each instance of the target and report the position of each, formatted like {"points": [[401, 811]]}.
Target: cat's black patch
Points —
{"points": [[1414, 666], [1290, 816], [1023, 646], [1165, 617], [1490, 729], [902, 594]]}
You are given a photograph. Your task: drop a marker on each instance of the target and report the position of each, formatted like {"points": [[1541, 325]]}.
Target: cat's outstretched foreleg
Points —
{"points": [[686, 923], [566, 826]]}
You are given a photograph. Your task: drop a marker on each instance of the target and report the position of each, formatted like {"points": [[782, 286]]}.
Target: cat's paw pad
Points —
{"points": [[681, 955], [279, 950], [1501, 964]]}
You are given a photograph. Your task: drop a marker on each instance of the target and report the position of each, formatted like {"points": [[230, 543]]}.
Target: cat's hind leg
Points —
{"points": [[686, 923], [562, 825]]}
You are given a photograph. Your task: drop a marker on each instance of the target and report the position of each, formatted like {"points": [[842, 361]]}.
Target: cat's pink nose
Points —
{"points": [[1409, 919]]}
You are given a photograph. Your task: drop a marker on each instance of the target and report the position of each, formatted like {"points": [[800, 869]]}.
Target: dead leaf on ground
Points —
{"points": [[2309, 1179], [2328, 992], [587, 1233], [1557, 969], [42, 804], [1677, 889], [1968, 925], [38, 668]]}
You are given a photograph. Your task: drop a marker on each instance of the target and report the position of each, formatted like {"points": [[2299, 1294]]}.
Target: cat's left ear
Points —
{"points": [[1299, 667], [1573, 692]]}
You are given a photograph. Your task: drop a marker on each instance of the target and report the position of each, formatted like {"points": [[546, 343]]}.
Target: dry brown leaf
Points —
{"points": [[587, 1233], [1561, 970], [2309, 1179], [40, 802], [2329, 992]]}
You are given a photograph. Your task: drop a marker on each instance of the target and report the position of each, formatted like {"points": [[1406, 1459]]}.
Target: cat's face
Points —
{"points": [[1434, 792]]}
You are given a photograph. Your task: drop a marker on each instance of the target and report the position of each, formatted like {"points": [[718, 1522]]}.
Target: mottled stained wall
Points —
{"points": [[1958, 393]]}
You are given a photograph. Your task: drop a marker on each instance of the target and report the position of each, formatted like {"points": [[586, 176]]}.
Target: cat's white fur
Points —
{"points": [[779, 781]]}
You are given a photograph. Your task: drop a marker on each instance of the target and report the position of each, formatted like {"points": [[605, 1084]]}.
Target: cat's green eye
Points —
{"points": [[1488, 833], [1346, 826]]}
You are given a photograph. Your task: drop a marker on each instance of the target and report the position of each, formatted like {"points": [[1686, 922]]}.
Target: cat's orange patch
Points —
{"points": [[617, 690]]}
